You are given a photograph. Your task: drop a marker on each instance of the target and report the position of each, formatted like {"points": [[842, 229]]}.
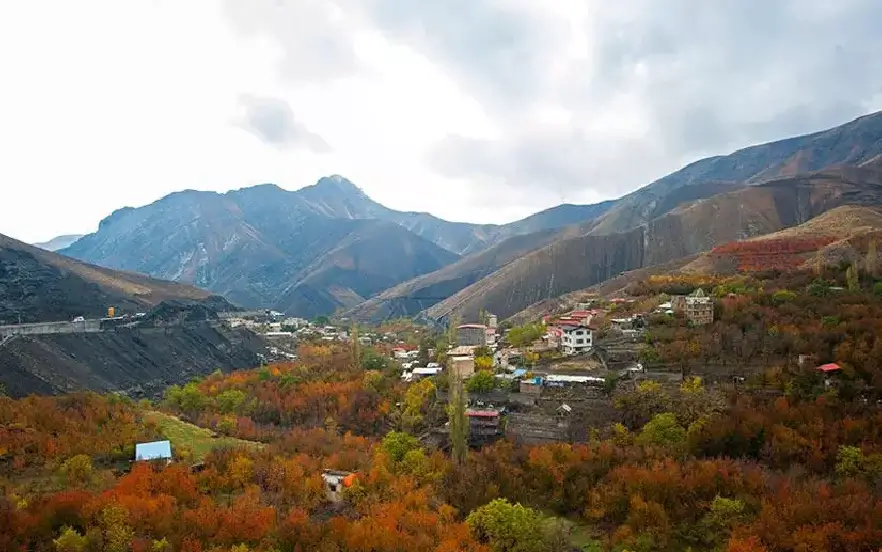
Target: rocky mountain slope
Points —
{"points": [[420, 293], [853, 143], [58, 242], [307, 252], [136, 362], [579, 262], [178, 338], [856, 143], [842, 234], [38, 285]]}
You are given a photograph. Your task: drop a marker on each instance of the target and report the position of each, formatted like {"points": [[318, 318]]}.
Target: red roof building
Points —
{"points": [[829, 367]]}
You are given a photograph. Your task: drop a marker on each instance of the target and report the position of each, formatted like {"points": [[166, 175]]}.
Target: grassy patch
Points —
{"points": [[199, 440], [582, 536]]}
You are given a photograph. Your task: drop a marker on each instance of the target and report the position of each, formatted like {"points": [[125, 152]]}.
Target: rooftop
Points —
{"points": [[155, 450]]}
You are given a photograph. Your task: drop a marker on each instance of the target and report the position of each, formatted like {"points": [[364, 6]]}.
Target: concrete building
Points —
{"points": [[571, 339], [699, 308], [335, 482], [471, 334]]}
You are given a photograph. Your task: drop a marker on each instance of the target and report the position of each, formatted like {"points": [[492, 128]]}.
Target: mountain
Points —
{"points": [[38, 285], [858, 142], [308, 252], [840, 235], [58, 242], [41, 286], [853, 143], [578, 262], [420, 293]]}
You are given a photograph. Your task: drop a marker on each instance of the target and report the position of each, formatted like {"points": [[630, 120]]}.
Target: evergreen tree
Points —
{"points": [[459, 423], [851, 278]]}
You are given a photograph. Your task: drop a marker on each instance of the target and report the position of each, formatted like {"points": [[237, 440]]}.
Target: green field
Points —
{"points": [[199, 440]]}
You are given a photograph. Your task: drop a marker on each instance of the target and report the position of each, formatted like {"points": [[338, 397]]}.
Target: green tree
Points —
{"points": [[230, 401], [663, 430], [416, 402], [851, 278], [115, 530], [481, 382], [77, 469], [521, 336], [508, 527], [396, 444], [849, 461], [459, 423], [188, 399], [783, 296], [70, 541]]}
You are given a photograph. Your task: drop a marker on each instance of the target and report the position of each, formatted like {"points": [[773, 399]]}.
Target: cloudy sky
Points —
{"points": [[476, 110]]}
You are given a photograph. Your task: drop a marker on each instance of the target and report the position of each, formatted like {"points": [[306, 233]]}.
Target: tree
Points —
{"points": [[459, 423], [508, 527], [70, 541], [483, 363], [416, 402], [78, 469], [397, 444], [481, 382], [872, 263], [851, 278], [663, 430]]}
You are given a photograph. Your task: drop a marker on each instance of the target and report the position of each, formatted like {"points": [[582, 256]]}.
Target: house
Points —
{"points": [[531, 386], [153, 451], [471, 334], [562, 380], [697, 306], [461, 366], [621, 324], [420, 373], [492, 321], [829, 368], [573, 339], [484, 422], [336, 481]]}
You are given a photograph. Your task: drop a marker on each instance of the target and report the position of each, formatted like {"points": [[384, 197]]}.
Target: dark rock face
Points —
{"points": [[37, 285], [139, 362]]}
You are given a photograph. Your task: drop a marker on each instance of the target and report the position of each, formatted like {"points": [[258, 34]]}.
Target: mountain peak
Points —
{"points": [[337, 183]]}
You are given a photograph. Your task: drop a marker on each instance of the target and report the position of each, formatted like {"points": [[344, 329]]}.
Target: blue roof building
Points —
{"points": [[156, 450]]}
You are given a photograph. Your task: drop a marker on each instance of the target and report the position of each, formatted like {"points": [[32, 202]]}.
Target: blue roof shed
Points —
{"points": [[156, 450]]}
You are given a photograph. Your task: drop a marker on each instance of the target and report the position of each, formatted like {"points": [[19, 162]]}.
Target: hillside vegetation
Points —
{"points": [[781, 462]]}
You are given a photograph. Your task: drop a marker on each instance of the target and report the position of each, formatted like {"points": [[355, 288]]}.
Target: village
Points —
{"points": [[550, 381]]}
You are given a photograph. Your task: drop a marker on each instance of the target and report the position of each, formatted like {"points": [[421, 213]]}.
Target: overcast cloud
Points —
{"points": [[477, 110]]}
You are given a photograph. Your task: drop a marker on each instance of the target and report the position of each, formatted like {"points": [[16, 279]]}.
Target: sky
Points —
{"points": [[473, 110]]}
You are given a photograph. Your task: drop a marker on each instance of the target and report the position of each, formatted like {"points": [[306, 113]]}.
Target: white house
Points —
{"points": [[574, 339]]}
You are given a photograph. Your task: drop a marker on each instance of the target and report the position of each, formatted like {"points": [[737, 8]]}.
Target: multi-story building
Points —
{"points": [[698, 307], [471, 334], [572, 339]]}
